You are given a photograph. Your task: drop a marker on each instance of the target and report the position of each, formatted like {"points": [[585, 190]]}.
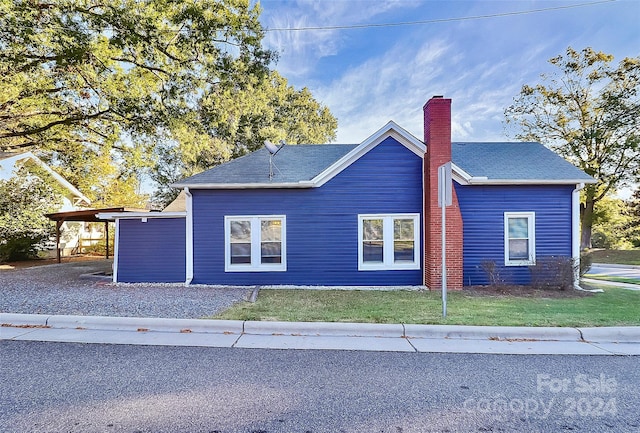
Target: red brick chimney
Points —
{"points": [[437, 137]]}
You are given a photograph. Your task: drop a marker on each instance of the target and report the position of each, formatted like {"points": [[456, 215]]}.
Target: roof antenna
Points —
{"points": [[273, 150]]}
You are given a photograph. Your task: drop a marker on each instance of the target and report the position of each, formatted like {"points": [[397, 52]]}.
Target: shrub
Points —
{"points": [[493, 272], [553, 272], [586, 261]]}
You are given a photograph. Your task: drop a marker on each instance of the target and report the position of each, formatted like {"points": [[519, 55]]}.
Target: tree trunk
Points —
{"points": [[586, 220]]}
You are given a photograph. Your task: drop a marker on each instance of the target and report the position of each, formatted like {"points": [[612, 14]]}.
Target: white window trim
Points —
{"points": [[388, 263], [531, 224], [255, 265]]}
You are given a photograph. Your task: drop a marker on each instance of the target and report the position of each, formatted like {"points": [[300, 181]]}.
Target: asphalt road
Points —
{"points": [[615, 271], [69, 387]]}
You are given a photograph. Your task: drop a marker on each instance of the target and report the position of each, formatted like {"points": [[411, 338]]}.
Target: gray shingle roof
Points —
{"points": [[520, 161], [497, 162], [292, 164]]}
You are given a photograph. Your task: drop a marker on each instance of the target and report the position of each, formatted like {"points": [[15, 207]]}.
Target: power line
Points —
{"points": [[435, 21], [355, 26]]}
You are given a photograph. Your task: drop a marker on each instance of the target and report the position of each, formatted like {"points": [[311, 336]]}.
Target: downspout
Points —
{"points": [[575, 234], [116, 246], [189, 237]]}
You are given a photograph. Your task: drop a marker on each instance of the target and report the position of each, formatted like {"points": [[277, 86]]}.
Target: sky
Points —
{"points": [[368, 76]]}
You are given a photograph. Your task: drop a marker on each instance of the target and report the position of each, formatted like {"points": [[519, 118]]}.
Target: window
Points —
{"points": [[255, 243], [388, 242], [519, 238]]}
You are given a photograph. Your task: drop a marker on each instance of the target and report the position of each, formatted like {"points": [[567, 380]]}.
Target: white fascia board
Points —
{"points": [[486, 181], [138, 215], [459, 175], [61, 180], [391, 129]]}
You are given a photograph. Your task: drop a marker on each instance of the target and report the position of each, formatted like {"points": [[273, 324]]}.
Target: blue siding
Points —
{"points": [[483, 210], [153, 251], [321, 225]]}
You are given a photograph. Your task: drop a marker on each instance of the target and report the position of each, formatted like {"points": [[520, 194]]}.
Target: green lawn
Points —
{"points": [[614, 307], [623, 257]]}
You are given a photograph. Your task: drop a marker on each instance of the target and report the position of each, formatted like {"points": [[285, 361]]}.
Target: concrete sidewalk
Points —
{"points": [[320, 335]]}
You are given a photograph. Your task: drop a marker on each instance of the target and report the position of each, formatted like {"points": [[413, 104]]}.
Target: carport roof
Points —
{"points": [[88, 215]]}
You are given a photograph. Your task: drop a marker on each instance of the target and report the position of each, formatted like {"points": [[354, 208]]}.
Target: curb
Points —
{"points": [[147, 324], [623, 334], [493, 332], [139, 324], [328, 329], [19, 320]]}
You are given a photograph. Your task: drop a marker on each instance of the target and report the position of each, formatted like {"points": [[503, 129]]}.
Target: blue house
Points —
{"points": [[361, 215]]}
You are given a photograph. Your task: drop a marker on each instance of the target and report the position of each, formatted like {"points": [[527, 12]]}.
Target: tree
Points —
{"points": [[633, 213], [235, 120], [24, 199], [83, 80], [589, 113], [611, 223]]}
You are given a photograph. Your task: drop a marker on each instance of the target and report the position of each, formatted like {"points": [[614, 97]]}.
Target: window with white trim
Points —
{"points": [[388, 242], [255, 243], [519, 238]]}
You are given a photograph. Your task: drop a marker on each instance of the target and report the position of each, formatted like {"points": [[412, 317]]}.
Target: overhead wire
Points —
{"points": [[434, 21], [370, 25]]}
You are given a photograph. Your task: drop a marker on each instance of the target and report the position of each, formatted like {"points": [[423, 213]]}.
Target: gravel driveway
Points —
{"points": [[60, 289]]}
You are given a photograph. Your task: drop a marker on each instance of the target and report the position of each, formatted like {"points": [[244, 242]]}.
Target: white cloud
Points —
{"points": [[300, 51], [480, 64]]}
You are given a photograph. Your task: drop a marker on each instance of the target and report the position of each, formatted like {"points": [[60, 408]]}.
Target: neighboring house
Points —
{"points": [[72, 198], [361, 215]]}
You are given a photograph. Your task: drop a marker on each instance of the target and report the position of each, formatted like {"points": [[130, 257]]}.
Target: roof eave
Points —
{"points": [[137, 215], [61, 180], [487, 181], [277, 185]]}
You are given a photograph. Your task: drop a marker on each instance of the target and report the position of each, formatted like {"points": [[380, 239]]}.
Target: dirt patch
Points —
{"points": [[523, 292]]}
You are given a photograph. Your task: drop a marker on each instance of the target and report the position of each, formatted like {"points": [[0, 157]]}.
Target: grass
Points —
{"points": [[614, 307], [622, 257]]}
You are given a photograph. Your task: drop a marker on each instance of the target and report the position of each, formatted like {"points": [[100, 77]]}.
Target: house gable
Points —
{"points": [[390, 130], [8, 162]]}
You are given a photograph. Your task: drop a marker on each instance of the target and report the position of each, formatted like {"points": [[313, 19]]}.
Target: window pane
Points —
{"points": [[240, 231], [372, 252], [403, 251], [403, 230], [518, 249], [271, 252], [518, 228], [372, 230], [271, 230], [240, 253], [240, 242]]}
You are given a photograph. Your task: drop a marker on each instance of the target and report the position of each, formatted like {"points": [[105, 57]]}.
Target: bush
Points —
{"points": [[586, 261], [553, 273], [493, 272]]}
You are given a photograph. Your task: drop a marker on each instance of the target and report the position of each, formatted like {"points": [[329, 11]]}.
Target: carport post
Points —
{"points": [[106, 234], [58, 225]]}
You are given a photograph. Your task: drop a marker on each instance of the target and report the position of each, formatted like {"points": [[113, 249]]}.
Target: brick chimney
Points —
{"points": [[437, 137]]}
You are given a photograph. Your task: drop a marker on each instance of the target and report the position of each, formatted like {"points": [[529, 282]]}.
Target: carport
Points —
{"points": [[89, 216]]}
